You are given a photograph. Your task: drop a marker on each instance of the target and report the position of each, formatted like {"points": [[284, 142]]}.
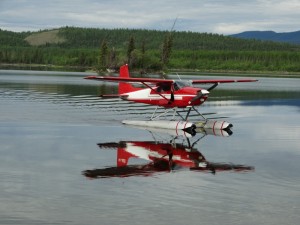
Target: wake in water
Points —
{"points": [[92, 107]]}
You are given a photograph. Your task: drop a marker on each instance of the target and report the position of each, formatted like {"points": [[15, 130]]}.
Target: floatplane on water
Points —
{"points": [[172, 95]]}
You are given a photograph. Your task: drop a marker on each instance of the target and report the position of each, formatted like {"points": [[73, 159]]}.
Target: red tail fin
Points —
{"points": [[125, 87]]}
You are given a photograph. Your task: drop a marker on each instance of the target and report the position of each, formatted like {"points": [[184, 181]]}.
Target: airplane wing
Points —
{"points": [[130, 79], [162, 81], [220, 81]]}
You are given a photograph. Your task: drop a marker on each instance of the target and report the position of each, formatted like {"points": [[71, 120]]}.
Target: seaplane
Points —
{"points": [[172, 95]]}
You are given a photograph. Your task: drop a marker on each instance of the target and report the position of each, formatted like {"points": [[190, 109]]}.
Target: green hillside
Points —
{"points": [[145, 49], [9, 38], [44, 38], [73, 37]]}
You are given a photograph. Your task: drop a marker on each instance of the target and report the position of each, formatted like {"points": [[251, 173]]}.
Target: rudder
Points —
{"points": [[125, 87]]}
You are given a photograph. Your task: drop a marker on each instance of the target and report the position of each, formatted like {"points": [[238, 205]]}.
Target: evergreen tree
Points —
{"points": [[131, 47], [143, 51], [102, 62], [166, 49], [113, 59]]}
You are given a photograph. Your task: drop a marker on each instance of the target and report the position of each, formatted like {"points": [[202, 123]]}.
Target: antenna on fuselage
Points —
{"points": [[178, 76], [171, 32], [174, 24]]}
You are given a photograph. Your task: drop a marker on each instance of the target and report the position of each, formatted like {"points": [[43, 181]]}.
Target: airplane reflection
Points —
{"points": [[162, 157]]}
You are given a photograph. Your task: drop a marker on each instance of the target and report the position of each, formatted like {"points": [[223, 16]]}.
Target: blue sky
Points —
{"points": [[212, 16]]}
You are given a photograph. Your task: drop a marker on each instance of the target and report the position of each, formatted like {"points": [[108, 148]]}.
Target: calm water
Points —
{"points": [[58, 141]]}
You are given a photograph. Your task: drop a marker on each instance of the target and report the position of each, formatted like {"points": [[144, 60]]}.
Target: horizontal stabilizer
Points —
{"points": [[110, 96]]}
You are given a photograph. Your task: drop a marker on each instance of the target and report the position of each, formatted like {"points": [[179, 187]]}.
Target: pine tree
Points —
{"points": [[166, 49], [131, 47], [143, 51], [102, 62]]}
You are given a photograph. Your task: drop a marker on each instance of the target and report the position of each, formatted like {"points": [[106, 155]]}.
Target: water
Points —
{"points": [[51, 125]]}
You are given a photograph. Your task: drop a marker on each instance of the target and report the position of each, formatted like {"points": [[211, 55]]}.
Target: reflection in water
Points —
{"points": [[163, 157]]}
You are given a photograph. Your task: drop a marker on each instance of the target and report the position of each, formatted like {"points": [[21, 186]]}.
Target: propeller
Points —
{"points": [[212, 87], [199, 95]]}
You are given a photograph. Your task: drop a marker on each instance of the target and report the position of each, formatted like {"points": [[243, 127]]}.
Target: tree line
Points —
{"points": [[145, 50], [118, 38]]}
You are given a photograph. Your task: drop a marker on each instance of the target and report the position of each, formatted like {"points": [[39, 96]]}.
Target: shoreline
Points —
{"points": [[56, 68]]}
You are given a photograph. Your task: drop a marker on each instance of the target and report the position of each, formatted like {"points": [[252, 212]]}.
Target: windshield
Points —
{"points": [[182, 83]]}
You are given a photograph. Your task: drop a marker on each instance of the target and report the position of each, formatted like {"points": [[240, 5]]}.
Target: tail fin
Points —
{"points": [[125, 87]]}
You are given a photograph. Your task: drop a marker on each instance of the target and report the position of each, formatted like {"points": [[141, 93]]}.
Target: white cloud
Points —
{"points": [[220, 16]]}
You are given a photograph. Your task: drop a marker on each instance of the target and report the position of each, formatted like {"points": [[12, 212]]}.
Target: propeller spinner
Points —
{"points": [[200, 93]]}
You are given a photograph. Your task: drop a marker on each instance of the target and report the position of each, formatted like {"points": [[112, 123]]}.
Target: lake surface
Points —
{"points": [[60, 146]]}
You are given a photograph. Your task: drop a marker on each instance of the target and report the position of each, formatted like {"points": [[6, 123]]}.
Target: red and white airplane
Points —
{"points": [[170, 94]]}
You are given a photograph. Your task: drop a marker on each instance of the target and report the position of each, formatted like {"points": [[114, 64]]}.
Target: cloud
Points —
{"points": [[219, 16]]}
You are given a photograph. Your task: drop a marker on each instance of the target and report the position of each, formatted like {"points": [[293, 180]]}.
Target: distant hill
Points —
{"points": [[91, 38], [10, 38], [289, 37], [43, 38]]}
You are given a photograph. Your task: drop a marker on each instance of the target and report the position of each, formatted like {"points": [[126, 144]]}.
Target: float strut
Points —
{"points": [[199, 113], [188, 113]]}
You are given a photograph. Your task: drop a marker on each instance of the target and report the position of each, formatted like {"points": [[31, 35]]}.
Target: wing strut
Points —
{"points": [[172, 94]]}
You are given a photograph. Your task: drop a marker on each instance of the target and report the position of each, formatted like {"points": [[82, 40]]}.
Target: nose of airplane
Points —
{"points": [[204, 92], [200, 94]]}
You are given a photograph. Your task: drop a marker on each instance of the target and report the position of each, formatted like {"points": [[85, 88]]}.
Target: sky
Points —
{"points": [[210, 16]]}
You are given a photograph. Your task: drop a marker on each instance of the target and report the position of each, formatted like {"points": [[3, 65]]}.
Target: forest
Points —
{"points": [[145, 50]]}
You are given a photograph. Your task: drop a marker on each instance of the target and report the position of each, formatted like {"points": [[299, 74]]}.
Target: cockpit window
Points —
{"points": [[177, 85], [180, 84], [163, 87]]}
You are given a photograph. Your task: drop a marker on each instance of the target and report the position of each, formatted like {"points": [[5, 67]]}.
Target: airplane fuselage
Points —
{"points": [[181, 98]]}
